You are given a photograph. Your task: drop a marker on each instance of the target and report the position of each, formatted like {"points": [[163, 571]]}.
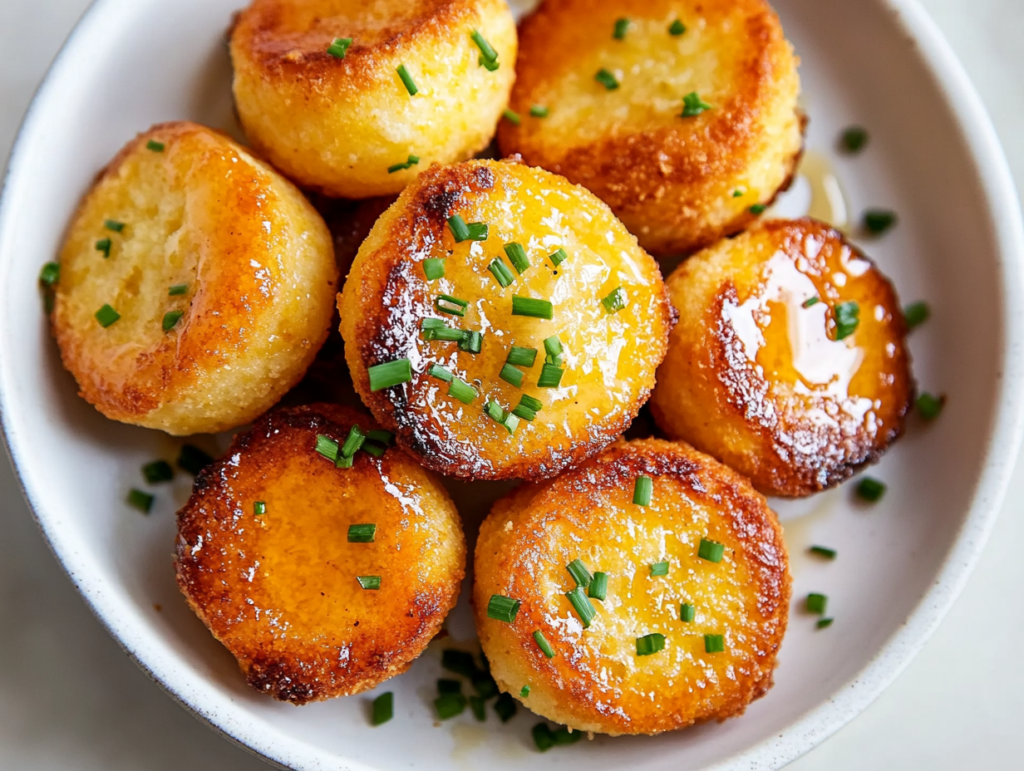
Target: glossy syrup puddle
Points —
{"points": [[816, 192]]}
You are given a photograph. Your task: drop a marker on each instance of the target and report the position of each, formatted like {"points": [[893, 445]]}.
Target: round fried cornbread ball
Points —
{"points": [[196, 284], [694, 602], [503, 371], [788, 362], [338, 117], [321, 581], [681, 124]]}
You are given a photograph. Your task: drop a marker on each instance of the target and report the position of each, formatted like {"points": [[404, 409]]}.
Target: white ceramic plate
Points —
{"points": [[933, 158]]}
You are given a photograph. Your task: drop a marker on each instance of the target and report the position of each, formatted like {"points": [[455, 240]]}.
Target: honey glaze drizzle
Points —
{"points": [[816, 193]]}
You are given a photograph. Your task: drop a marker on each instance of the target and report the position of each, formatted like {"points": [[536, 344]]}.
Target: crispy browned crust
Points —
{"points": [[784, 447], [581, 688], [291, 640], [391, 302]]}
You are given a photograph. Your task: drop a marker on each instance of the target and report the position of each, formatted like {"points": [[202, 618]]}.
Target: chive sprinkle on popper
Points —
{"points": [[712, 551], [171, 319], [579, 573], [50, 274], [528, 407], [553, 349], [103, 245], [383, 708], [621, 28], [501, 273], [177, 289], [758, 209], [107, 316], [389, 374], [650, 643], [870, 490], [558, 256], [615, 301], [502, 608], [453, 306], [487, 51], [532, 307], [847, 318], [461, 390], [598, 589], [433, 268], [584, 608], [409, 163], [642, 491], [407, 81], [339, 47], [606, 79], [371, 583], [539, 111], [259, 508], [512, 117], [354, 441], [517, 256], [511, 375], [140, 500], [327, 447], [364, 533], [659, 569], [158, 471], [436, 370], [714, 643], [114, 225], [524, 691], [693, 105], [550, 376], [676, 28], [810, 302], [521, 357], [687, 613], [156, 147], [543, 644]]}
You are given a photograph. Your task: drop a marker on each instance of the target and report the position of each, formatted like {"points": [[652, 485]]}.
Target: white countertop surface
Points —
{"points": [[70, 699]]}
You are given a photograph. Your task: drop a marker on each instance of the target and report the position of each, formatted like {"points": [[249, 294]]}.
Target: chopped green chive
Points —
{"points": [[140, 500], [171, 319], [103, 245], [550, 376], [354, 440], [114, 225], [50, 274], [517, 256], [362, 533], [459, 662], [478, 707], [528, 306], [502, 608], [539, 111], [648, 644], [500, 416], [382, 436], [553, 349], [916, 314], [525, 413], [659, 569], [486, 49], [410, 84], [471, 342], [445, 334], [642, 491], [524, 691], [558, 256], [477, 231], [156, 147], [621, 28], [714, 643], [433, 268], [484, 685], [579, 573], [501, 272], [369, 582], [870, 490], [584, 608], [413, 160], [432, 324], [445, 303], [758, 209], [737, 193], [877, 221], [461, 390], [343, 461], [929, 406], [449, 705], [512, 117], [383, 708], [374, 449], [259, 508], [512, 375], [327, 447], [505, 707], [544, 737], [693, 105], [615, 301], [823, 551], [676, 28], [521, 357], [847, 317], [389, 374], [712, 551], [598, 588], [534, 404], [192, 459], [606, 79], [528, 407], [810, 302], [816, 603], [824, 623], [158, 471], [436, 370], [339, 47], [445, 685], [177, 289], [491, 65], [474, 231], [854, 139], [543, 644], [107, 316], [687, 613]]}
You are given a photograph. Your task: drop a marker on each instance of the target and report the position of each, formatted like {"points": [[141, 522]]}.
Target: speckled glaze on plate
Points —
{"points": [[933, 158]]}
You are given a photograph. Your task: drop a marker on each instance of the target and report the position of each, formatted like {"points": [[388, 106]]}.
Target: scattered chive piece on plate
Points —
{"points": [[410, 84], [758, 209], [824, 623], [449, 705], [433, 268], [114, 225], [383, 708], [484, 685], [693, 105], [550, 376], [171, 319], [193, 460], [259, 508], [564, 736], [916, 314], [505, 707], [50, 274], [177, 289], [140, 500], [687, 612], [823, 551], [584, 608], [156, 147], [327, 447], [436, 370], [539, 111], [459, 662], [486, 49], [543, 644], [854, 139], [870, 490], [369, 582], [413, 160], [676, 28], [606, 79], [615, 301], [103, 245], [579, 573], [362, 533], [478, 707], [382, 436], [532, 307], [445, 685], [621, 28], [524, 691], [354, 440], [659, 569], [543, 737], [339, 47], [878, 221], [502, 608], [650, 643], [461, 390], [389, 374], [453, 306], [553, 349], [712, 551], [521, 357], [929, 406], [517, 256], [157, 471], [501, 272], [598, 589], [558, 256], [512, 375], [847, 316], [816, 603], [714, 643], [810, 302], [512, 117], [107, 316], [642, 491]]}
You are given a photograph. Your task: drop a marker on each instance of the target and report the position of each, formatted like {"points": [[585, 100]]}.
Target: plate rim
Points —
{"points": [[1002, 445]]}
